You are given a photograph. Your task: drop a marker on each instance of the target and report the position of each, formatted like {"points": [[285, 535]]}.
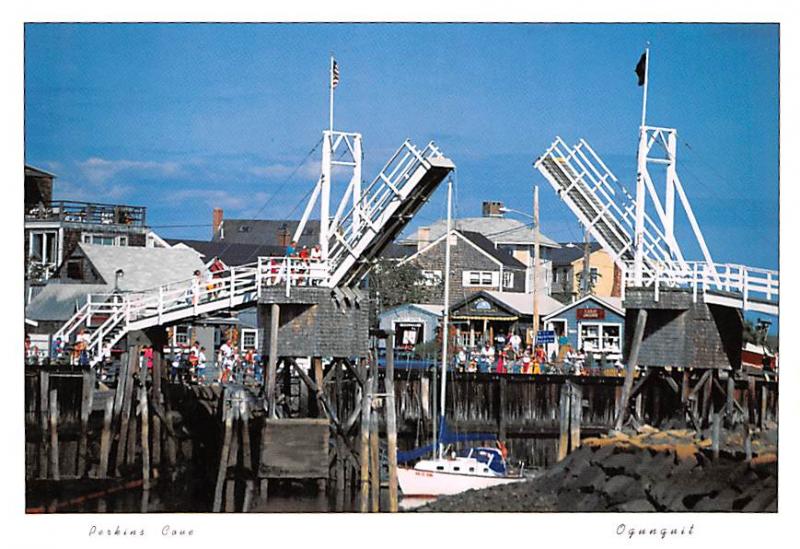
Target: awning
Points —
{"points": [[500, 318]]}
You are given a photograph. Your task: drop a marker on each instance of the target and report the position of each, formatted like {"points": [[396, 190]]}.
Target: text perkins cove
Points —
{"points": [[118, 531]]}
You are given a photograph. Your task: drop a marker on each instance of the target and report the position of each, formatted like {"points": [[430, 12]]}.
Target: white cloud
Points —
{"points": [[91, 191], [98, 170], [218, 198]]}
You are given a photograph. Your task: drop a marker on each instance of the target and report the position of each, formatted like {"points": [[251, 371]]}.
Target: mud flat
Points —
{"points": [[644, 471]]}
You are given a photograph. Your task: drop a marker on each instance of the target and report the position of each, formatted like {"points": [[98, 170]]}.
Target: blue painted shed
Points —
{"points": [[592, 324]]}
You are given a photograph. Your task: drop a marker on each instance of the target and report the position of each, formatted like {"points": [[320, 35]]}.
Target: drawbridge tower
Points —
{"points": [[680, 313]]}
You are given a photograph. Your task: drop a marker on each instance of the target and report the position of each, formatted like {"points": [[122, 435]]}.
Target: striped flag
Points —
{"points": [[334, 74]]}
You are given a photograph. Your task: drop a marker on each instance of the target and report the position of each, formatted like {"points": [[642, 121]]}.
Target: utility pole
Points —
{"points": [[535, 325], [585, 282]]}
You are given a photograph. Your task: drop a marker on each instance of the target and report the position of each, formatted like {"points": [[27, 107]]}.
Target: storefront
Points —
{"points": [[489, 316], [412, 323], [593, 325]]}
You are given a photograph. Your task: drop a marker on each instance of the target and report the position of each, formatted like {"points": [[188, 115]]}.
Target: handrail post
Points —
{"points": [[694, 283], [745, 289], [233, 285], [288, 264], [658, 272]]}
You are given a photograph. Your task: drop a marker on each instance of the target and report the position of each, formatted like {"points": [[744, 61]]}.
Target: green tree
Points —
{"points": [[392, 284]]}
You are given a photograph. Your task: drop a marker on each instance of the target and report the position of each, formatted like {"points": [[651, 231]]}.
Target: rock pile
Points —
{"points": [[637, 472]]}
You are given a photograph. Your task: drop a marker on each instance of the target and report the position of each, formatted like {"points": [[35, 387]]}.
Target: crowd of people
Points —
{"points": [[190, 364], [509, 356], [304, 266]]}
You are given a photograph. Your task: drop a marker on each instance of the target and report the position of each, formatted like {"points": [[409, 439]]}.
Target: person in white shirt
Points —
{"points": [[516, 341], [226, 360]]}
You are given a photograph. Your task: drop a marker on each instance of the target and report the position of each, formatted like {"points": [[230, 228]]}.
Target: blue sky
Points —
{"points": [[180, 118]]}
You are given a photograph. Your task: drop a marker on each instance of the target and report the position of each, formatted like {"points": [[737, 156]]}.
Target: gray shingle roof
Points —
{"points": [[487, 246], [58, 302], [143, 268], [571, 251], [267, 231], [500, 230], [231, 253]]}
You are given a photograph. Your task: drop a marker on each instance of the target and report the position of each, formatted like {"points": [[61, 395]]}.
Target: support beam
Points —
{"points": [[391, 423], [105, 439], [272, 364], [576, 413], [54, 416], [366, 397], [563, 411], [44, 393], [633, 359], [87, 399]]}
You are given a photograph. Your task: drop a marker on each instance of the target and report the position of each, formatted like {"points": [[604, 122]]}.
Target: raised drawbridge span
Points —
{"points": [[637, 229], [364, 223]]}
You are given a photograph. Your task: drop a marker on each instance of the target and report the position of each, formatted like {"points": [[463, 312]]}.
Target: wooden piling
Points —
{"points": [[105, 439], [374, 460], [233, 461], [44, 393], [748, 443], [685, 386], [247, 458], [87, 400], [576, 413], [145, 422], [715, 433], [272, 363], [501, 408], [563, 411], [633, 360], [707, 397], [391, 423], [223, 458], [125, 405], [340, 485], [762, 414], [53, 405], [729, 393], [363, 453], [157, 400]]}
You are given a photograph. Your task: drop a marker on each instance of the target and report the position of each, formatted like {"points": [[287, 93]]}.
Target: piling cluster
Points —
{"points": [[649, 470]]}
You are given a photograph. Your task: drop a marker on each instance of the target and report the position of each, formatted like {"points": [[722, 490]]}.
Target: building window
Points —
{"points": [[249, 338], [600, 338], [480, 278], [43, 247], [431, 278], [508, 279], [105, 239], [181, 336], [75, 269]]}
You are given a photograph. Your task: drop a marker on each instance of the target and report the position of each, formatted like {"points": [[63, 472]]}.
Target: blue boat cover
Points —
{"points": [[445, 437]]}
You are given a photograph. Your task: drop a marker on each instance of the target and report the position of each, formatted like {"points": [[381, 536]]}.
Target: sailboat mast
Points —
{"points": [[446, 311]]}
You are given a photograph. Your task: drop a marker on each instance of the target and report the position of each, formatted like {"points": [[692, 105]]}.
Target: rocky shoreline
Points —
{"points": [[645, 471]]}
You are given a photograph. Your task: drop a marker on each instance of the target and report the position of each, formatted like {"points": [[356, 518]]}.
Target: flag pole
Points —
{"points": [[644, 94], [330, 86]]}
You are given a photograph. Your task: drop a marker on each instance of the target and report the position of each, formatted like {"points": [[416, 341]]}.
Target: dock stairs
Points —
{"points": [[385, 208]]}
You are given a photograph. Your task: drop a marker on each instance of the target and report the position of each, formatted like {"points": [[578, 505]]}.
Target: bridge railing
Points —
{"points": [[289, 272], [749, 282]]}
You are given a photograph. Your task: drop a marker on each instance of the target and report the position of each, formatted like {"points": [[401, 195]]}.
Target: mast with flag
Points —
{"points": [[334, 81], [641, 165]]}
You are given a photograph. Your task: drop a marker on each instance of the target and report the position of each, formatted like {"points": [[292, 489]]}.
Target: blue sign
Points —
{"points": [[545, 336]]}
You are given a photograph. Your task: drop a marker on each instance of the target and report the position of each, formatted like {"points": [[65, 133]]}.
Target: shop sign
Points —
{"points": [[591, 313]]}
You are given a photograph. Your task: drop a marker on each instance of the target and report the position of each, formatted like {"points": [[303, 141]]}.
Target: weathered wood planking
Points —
{"points": [[294, 448]]}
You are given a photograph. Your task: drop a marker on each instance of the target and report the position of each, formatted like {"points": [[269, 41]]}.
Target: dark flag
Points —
{"points": [[641, 67], [334, 75]]}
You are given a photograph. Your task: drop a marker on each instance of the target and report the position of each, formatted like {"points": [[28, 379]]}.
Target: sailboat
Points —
{"points": [[473, 468]]}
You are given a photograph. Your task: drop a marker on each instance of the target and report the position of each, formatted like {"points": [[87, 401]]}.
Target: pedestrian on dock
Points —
{"points": [[196, 283]]}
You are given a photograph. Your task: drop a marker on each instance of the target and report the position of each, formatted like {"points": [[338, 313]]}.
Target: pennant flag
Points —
{"points": [[334, 75], [641, 68]]}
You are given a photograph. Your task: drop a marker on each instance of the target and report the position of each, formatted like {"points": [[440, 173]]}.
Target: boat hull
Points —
{"points": [[420, 483]]}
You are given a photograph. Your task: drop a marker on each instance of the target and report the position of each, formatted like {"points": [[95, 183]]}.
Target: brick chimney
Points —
{"points": [[492, 209], [216, 222], [423, 237]]}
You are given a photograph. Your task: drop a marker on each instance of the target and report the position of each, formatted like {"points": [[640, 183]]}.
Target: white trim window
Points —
{"points": [[249, 339], [180, 335], [508, 279], [43, 246], [104, 239], [480, 278], [600, 337]]}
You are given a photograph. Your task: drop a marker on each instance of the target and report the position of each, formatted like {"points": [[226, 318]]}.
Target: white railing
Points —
{"points": [[291, 272], [592, 179], [366, 218], [747, 283], [119, 312]]}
